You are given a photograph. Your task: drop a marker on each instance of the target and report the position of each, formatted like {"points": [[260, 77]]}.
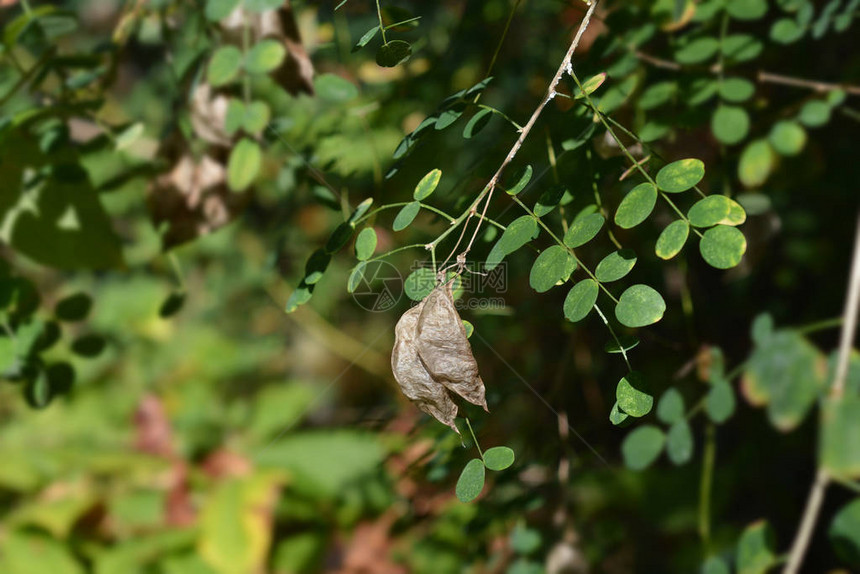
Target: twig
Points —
{"points": [[487, 192], [769, 78], [849, 325], [816, 494], [763, 77]]}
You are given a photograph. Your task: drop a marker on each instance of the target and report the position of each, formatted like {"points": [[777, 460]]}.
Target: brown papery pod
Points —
{"points": [[444, 348], [412, 376]]}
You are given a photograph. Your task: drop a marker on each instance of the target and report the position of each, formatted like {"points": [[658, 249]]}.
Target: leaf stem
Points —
{"points": [[474, 438], [381, 25], [614, 336], [706, 484], [487, 193], [569, 249]]}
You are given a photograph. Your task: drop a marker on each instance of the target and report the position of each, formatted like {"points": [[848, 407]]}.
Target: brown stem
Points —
{"points": [[849, 330], [550, 94]]}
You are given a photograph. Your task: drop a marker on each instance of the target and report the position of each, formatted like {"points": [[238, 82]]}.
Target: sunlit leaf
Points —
{"points": [[639, 306], [580, 300], [723, 246], [636, 206]]}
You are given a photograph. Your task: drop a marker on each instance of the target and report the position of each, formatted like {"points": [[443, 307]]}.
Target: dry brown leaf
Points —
{"points": [[412, 376], [432, 356], [444, 348], [192, 198], [296, 74], [208, 113]]}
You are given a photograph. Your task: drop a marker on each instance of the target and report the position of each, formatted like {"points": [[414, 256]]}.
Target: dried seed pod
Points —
{"points": [[412, 376], [445, 350]]}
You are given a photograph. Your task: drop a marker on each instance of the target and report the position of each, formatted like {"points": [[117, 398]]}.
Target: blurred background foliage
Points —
{"points": [[161, 195]]}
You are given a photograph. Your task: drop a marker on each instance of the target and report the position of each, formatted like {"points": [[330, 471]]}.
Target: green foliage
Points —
{"points": [[258, 137], [471, 481]]}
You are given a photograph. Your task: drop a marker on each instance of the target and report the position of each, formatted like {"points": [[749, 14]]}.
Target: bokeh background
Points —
{"points": [[198, 428]]}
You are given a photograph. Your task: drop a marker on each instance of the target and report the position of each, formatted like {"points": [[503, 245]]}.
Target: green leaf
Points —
{"points": [[656, 95], [498, 458], [762, 329], [352, 457], [427, 185], [553, 265], [524, 176], [639, 306], [219, 9], [631, 399], [524, 540], [316, 265], [844, 533], [419, 283], [469, 328], [625, 342], [715, 565], [580, 300], [393, 53], [339, 237], [741, 47], [680, 175], [224, 65], [787, 137], [615, 265], [549, 199], [670, 407], [697, 51], [89, 345], [243, 165], [233, 533], [365, 244], [814, 114], [583, 230], [172, 305], [477, 123], [471, 481], [74, 307], [715, 209], [642, 446], [335, 89], [636, 206], [679, 442], [736, 89], [786, 31], [406, 215], [234, 118], [591, 85], [755, 554], [266, 56], [38, 392], [756, 163], [730, 124], [720, 402], [127, 137], [355, 277], [723, 246], [257, 6], [256, 118], [25, 552], [518, 233], [365, 39], [840, 436], [746, 9], [616, 415], [360, 210], [784, 372]]}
